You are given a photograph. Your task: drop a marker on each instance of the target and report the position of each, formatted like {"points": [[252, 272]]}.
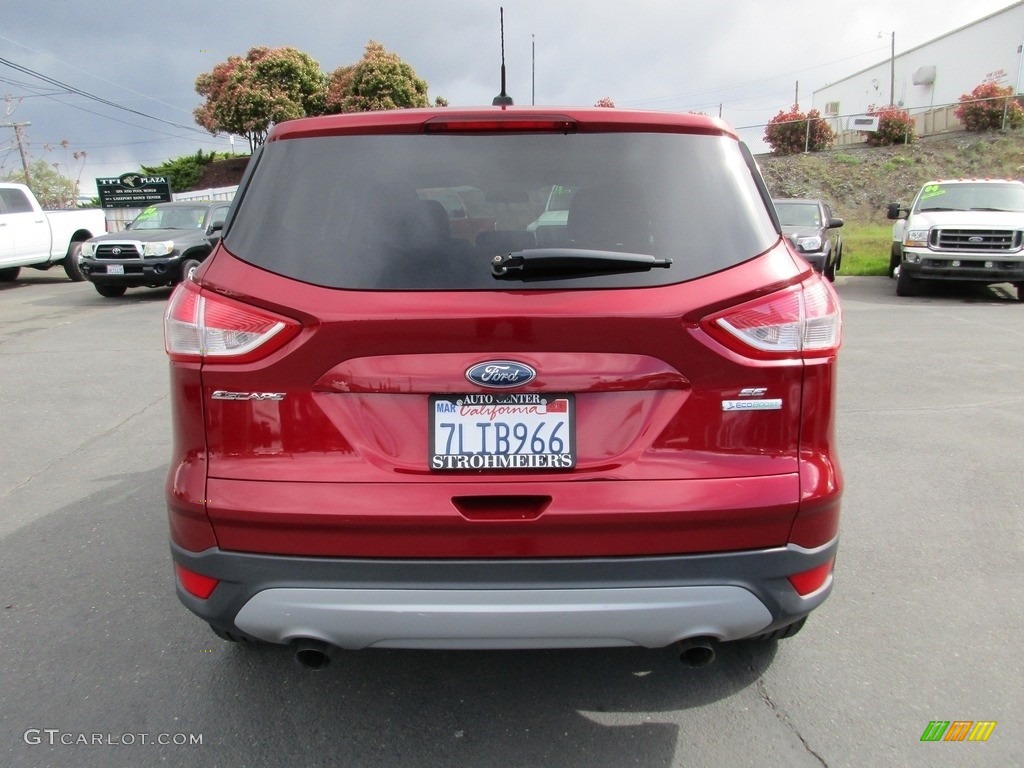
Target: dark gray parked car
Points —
{"points": [[812, 229], [160, 247]]}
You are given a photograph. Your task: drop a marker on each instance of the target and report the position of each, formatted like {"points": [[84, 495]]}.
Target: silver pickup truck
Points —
{"points": [[32, 237], [964, 230]]}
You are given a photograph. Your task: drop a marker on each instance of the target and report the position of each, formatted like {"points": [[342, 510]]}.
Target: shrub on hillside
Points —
{"points": [[989, 107], [789, 133], [895, 126]]}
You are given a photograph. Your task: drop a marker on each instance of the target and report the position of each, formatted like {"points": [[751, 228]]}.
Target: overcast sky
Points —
{"points": [[741, 56]]}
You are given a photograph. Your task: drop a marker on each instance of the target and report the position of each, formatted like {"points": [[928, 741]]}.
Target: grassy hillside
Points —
{"points": [[859, 182]]}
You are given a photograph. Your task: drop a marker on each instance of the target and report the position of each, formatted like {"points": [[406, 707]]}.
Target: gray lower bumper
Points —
{"points": [[556, 618], [512, 603]]}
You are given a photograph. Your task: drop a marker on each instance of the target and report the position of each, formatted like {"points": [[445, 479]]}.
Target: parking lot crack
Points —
{"points": [[762, 691], [82, 446]]}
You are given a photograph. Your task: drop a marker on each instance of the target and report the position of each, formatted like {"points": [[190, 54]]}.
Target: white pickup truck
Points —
{"points": [[963, 230], [32, 237]]}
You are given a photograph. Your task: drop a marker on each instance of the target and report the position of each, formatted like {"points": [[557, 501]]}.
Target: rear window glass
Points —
{"points": [[798, 214], [15, 201], [430, 212]]}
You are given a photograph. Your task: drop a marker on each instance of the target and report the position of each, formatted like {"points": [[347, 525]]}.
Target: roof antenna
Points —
{"points": [[502, 99]]}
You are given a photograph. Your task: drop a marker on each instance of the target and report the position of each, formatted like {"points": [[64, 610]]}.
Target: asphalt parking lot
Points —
{"points": [[100, 661]]}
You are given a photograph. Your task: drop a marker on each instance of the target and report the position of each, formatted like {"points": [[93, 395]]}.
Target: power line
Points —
{"points": [[94, 97], [92, 74], [681, 96]]}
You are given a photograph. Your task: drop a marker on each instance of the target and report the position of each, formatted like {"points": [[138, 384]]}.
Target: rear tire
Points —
{"points": [[187, 266], [830, 272], [9, 275], [779, 634], [71, 266], [231, 637], [110, 291], [906, 285], [1020, 292]]}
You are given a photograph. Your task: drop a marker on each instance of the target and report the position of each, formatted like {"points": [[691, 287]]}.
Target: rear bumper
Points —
{"points": [[535, 603]]}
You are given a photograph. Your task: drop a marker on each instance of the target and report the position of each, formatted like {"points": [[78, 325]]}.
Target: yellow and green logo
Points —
{"points": [[958, 730]]}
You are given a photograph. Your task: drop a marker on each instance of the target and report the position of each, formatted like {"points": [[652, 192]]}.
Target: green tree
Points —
{"points": [[248, 96], [990, 107], [51, 188], [184, 172], [379, 80], [792, 132]]}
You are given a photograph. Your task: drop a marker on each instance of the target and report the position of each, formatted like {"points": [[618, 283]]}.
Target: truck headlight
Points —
{"points": [[809, 243], [88, 249], [159, 248], [916, 238]]}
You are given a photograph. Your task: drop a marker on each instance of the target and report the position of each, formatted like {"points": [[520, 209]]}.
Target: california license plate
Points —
{"points": [[502, 431], [115, 269]]}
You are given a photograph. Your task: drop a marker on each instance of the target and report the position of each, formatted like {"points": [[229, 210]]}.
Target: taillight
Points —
{"points": [[195, 583], [206, 326], [800, 321], [811, 581], [501, 123]]}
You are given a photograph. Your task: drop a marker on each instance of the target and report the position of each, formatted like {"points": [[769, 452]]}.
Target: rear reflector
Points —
{"points": [[195, 583], [200, 325], [801, 321], [811, 581]]}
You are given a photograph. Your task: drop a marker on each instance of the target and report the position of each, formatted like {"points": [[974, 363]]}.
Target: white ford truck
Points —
{"points": [[964, 230], [32, 237]]}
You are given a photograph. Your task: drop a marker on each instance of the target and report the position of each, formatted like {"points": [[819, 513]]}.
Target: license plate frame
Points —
{"points": [[115, 269], [501, 432]]}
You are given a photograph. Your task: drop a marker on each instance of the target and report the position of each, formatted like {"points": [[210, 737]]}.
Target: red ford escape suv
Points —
{"points": [[386, 435]]}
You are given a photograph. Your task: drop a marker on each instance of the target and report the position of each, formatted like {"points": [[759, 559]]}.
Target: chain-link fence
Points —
{"points": [[925, 121]]}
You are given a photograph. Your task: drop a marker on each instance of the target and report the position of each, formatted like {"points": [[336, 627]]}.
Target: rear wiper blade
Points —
{"points": [[571, 262]]}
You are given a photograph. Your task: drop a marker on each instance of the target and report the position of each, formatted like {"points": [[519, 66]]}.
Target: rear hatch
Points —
{"points": [[623, 389]]}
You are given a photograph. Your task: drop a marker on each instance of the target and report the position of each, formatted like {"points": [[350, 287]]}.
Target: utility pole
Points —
{"points": [[20, 138], [892, 71], [796, 96], [892, 65], [533, 69]]}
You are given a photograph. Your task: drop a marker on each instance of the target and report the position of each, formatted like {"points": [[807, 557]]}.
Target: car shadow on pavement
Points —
{"points": [[96, 642], [882, 290], [609, 707]]}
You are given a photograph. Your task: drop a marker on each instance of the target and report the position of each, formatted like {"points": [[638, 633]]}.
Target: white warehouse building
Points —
{"points": [[929, 79]]}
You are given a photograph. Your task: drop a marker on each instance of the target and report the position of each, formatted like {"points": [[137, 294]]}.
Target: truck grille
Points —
{"points": [[980, 240], [118, 251]]}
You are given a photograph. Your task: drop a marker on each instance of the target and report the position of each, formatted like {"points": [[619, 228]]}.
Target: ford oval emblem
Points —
{"points": [[975, 239], [501, 374]]}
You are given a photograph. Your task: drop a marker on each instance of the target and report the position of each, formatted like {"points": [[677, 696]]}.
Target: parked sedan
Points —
{"points": [[811, 227]]}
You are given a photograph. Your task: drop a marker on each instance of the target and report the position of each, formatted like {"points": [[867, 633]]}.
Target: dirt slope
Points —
{"points": [[860, 182]]}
